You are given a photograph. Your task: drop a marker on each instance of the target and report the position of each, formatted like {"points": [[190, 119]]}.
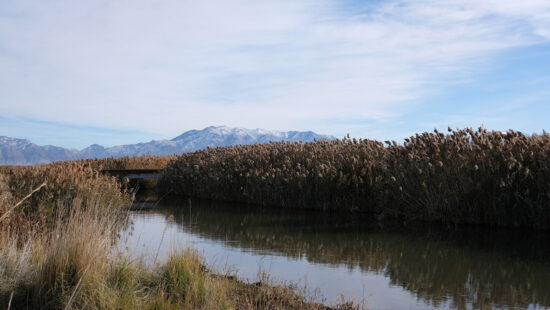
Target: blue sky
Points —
{"points": [[75, 73]]}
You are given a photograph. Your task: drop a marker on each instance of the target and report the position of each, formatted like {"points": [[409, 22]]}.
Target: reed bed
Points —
{"points": [[129, 162], [64, 182], [465, 176]]}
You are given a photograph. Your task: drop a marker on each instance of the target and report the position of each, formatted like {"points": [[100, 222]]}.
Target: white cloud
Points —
{"points": [[166, 66]]}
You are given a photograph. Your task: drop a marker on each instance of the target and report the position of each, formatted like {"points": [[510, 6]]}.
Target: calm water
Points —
{"points": [[385, 266]]}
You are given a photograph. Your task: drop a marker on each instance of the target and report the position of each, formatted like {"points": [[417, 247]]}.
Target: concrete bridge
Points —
{"points": [[134, 173]]}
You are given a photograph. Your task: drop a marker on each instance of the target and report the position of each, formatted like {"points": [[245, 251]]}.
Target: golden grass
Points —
{"points": [[465, 176]]}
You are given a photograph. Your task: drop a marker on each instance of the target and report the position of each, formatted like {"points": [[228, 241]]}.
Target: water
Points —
{"points": [[385, 266]]}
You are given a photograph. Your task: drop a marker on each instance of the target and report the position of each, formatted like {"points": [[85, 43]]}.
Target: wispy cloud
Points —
{"points": [[166, 66]]}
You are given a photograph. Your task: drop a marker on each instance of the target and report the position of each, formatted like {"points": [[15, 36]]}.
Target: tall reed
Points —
{"points": [[465, 176]]}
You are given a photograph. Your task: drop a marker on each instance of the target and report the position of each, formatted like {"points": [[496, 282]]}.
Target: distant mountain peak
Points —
{"points": [[23, 152], [5, 139]]}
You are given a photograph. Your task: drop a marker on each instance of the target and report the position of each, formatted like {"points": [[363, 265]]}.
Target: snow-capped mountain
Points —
{"points": [[23, 152]]}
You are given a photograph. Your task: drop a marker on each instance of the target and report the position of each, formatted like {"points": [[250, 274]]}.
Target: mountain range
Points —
{"points": [[23, 152]]}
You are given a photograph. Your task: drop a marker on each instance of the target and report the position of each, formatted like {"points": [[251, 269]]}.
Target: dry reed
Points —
{"points": [[465, 176], [129, 162]]}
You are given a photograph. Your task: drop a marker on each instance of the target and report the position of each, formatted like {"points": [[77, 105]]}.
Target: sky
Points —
{"points": [[74, 73]]}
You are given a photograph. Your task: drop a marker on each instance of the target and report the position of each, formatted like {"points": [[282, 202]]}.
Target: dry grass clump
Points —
{"points": [[55, 243], [52, 238], [68, 266], [465, 176], [127, 162]]}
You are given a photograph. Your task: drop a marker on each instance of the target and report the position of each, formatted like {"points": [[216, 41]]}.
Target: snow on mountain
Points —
{"points": [[23, 152]]}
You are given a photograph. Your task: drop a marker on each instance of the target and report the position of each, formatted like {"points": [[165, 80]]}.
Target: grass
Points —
{"points": [[464, 176], [57, 252]]}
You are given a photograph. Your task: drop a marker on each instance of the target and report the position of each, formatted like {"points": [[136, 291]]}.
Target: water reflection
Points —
{"points": [[441, 268]]}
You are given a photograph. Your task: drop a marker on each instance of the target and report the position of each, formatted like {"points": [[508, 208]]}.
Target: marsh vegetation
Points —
{"points": [[462, 177], [61, 223]]}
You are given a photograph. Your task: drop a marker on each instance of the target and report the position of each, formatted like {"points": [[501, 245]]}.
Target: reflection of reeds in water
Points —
{"points": [[465, 176], [468, 266]]}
